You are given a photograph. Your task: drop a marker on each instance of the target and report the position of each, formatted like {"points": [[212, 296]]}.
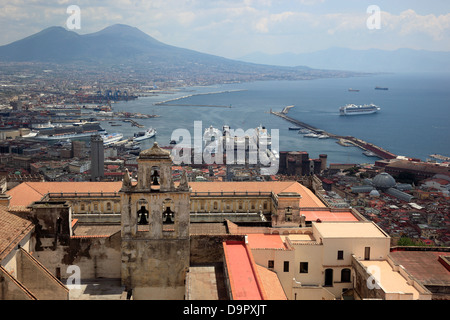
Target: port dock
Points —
{"points": [[342, 140]]}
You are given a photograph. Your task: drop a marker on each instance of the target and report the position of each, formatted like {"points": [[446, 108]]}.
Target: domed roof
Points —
{"points": [[384, 181]]}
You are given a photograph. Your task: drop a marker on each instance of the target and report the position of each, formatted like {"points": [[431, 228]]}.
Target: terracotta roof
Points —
{"points": [[271, 283], [309, 200], [12, 230], [27, 192]]}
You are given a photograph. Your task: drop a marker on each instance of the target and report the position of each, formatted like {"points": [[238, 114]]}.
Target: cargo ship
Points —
{"points": [[381, 88], [352, 109]]}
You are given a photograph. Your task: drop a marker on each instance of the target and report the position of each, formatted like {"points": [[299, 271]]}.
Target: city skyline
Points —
{"points": [[235, 28]]}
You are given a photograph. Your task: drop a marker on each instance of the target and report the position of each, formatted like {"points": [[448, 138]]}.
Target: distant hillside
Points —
{"points": [[126, 46], [373, 60]]}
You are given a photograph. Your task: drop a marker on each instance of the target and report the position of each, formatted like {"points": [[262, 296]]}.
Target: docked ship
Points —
{"points": [[75, 131], [352, 109], [262, 137], [112, 138], [149, 133]]}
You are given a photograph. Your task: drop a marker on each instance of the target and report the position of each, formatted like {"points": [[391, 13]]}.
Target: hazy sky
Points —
{"points": [[233, 28]]}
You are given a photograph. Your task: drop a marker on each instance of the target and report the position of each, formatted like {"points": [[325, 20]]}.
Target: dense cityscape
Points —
{"points": [[87, 214]]}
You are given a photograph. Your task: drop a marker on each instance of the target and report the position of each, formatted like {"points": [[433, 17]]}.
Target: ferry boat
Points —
{"points": [[150, 133], [112, 138], [352, 109]]}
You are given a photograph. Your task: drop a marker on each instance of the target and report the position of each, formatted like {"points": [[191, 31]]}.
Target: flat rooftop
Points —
{"points": [[424, 266], [206, 283], [349, 230], [242, 272], [265, 241], [328, 215], [390, 280]]}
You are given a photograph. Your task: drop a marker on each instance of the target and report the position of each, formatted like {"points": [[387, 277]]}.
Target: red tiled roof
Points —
{"points": [[27, 192], [12, 230], [308, 199]]}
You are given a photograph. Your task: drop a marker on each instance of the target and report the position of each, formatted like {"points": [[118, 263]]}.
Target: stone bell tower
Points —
{"points": [[155, 229]]}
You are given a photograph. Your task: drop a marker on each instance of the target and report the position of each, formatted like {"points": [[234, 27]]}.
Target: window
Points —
{"points": [[83, 207], [367, 253], [345, 275], [108, 206], [288, 214], [328, 278], [215, 205], [340, 255], [286, 266], [265, 205], [95, 207], [271, 264], [303, 267]]}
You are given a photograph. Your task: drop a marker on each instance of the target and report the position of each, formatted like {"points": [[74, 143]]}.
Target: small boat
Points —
{"points": [[323, 136], [311, 135], [369, 154], [304, 131], [294, 128]]}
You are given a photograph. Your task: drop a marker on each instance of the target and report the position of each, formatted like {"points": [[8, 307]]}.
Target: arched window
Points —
{"points": [[328, 277], [168, 215], [155, 176], [142, 212], [346, 275], [108, 206]]}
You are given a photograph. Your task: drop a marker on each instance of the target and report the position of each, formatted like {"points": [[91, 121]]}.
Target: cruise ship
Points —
{"points": [[149, 133], [74, 131], [352, 109]]}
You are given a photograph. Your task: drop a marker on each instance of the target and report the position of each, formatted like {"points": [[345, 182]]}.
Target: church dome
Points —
{"points": [[384, 181]]}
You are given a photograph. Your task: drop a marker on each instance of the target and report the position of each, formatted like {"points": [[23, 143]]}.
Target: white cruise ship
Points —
{"points": [[352, 109]]}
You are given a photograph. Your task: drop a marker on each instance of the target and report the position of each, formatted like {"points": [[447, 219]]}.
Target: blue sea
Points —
{"points": [[413, 121]]}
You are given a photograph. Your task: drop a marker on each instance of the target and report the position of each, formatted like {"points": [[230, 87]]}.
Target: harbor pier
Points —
{"points": [[342, 140]]}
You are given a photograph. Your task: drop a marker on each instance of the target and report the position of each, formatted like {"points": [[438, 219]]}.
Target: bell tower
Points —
{"points": [[155, 229]]}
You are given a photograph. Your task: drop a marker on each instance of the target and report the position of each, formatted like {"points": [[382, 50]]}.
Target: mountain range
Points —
{"points": [[128, 47], [372, 60]]}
